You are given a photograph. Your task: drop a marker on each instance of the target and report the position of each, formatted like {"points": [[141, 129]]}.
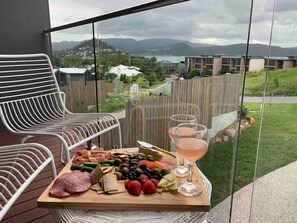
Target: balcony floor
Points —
{"points": [[25, 209]]}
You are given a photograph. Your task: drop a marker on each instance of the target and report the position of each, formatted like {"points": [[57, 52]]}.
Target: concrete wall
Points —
{"points": [[220, 122], [21, 28], [217, 65], [256, 64], [22, 23], [288, 64]]}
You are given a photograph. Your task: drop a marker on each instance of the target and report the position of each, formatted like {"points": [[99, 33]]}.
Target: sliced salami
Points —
{"points": [[70, 183], [78, 182], [58, 188]]}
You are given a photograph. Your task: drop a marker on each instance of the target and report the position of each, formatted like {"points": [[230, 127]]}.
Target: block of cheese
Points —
{"points": [[156, 154]]}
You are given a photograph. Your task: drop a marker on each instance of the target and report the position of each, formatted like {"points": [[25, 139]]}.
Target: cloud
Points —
{"points": [[213, 21], [68, 11], [190, 20], [281, 5]]}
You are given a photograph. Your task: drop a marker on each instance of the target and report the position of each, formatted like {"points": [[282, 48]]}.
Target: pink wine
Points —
{"points": [[191, 149], [184, 132]]}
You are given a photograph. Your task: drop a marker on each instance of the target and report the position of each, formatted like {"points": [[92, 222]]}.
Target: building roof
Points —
{"points": [[73, 70], [122, 69], [277, 58]]}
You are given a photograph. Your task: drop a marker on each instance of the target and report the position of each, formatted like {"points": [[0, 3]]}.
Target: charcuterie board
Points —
{"points": [[126, 201]]}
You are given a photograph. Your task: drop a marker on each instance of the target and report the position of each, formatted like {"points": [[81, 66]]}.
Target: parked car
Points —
{"points": [[176, 78]]}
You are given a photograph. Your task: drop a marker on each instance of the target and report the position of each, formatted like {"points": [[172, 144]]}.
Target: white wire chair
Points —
{"points": [[19, 165], [91, 216], [31, 104]]}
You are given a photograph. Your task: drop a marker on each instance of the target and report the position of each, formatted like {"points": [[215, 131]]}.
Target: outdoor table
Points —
{"points": [[163, 202]]}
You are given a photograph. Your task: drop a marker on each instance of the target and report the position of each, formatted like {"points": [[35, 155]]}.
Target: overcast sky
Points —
{"points": [[219, 22]]}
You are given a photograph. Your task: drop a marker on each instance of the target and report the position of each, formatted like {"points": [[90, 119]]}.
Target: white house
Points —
{"points": [[122, 69]]}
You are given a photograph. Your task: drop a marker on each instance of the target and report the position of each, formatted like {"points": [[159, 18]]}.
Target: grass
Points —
{"points": [[279, 82], [277, 148], [114, 103]]}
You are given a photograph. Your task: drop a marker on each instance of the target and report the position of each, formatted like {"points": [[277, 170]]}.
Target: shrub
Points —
{"points": [[243, 112]]}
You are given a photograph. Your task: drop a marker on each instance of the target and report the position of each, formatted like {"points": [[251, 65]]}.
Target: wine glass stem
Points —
{"points": [[190, 170]]}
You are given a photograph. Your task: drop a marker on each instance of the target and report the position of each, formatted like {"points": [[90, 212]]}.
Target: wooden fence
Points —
{"points": [[110, 87], [148, 119], [80, 95]]}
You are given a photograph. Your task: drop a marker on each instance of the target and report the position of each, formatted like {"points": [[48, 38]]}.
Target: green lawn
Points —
{"points": [[277, 148], [115, 103]]}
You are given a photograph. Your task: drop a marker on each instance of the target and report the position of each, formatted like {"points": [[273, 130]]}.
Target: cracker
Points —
{"points": [[110, 183], [112, 171], [96, 175], [96, 187], [107, 169], [101, 183], [121, 188]]}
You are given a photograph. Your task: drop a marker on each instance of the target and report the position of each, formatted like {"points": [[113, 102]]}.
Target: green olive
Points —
{"points": [[125, 170]]}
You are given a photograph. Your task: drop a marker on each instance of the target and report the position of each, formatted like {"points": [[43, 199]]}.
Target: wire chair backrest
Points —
{"points": [[29, 92]]}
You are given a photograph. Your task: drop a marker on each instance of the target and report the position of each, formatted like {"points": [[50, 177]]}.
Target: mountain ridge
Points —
{"points": [[163, 46]]}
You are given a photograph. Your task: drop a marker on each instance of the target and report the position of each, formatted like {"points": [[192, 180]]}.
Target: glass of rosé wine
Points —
{"points": [[191, 144], [181, 170]]}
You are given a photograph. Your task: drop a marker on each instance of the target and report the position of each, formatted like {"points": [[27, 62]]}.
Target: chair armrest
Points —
{"points": [[20, 164], [63, 95]]}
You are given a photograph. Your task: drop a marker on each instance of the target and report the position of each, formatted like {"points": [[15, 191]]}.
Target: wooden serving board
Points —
{"points": [[124, 201]]}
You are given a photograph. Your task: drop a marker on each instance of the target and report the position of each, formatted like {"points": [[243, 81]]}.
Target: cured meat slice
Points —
{"points": [[78, 182], [58, 188], [96, 155], [79, 160], [70, 183], [81, 153], [97, 151]]}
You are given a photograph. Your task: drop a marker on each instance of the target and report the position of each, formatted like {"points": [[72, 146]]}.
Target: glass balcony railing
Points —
{"points": [[134, 75]]}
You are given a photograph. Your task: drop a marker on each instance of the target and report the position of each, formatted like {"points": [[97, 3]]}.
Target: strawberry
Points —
{"points": [[155, 181], [149, 187], [143, 178], [134, 188], [126, 182]]}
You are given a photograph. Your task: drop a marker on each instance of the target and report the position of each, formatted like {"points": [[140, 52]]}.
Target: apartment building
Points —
{"points": [[221, 64]]}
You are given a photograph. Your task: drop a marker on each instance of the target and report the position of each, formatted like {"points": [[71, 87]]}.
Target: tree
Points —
{"points": [[110, 77], [152, 78], [224, 70], [206, 73], [72, 61], [194, 73], [57, 61], [181, 69], [142, 81], [164, 66], [103, 69]]}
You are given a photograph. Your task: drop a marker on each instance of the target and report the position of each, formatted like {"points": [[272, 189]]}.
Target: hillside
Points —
{"points": [[132, 44], [64, 45], [162, 46], [281, 82], [254, 50], [89, 43], [177, 49]]}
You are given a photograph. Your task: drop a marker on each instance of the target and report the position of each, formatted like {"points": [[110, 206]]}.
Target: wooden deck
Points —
{"points": [[25, 209]]}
